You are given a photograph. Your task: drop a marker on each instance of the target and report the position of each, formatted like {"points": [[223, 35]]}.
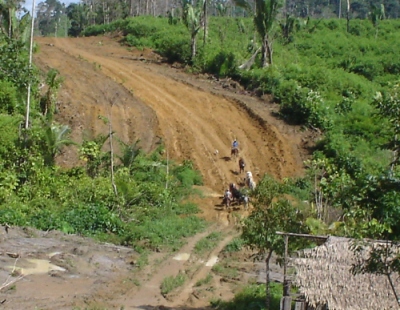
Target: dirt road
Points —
{"points": [[153, 102], [195, 117]]}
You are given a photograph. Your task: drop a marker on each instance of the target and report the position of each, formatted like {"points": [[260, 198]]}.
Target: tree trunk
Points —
{"points": [[130, 7], [205, 23], [267, 280], [270, 51], [266, 57], [138, 8], [114, 186], [193, 47], [348, 15], [264, 51]]}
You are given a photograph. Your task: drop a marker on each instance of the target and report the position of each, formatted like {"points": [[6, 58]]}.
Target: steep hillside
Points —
{"points": [[152, 102]]}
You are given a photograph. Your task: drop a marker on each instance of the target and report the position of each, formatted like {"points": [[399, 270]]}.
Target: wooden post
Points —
{"points": [[28, 99], [286, 300]]}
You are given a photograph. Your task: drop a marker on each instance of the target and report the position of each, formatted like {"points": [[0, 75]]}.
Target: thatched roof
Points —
{"points": [[323, 275]]}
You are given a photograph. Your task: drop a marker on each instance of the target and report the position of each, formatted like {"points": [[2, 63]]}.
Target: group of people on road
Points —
{"points": [[233, 193]]}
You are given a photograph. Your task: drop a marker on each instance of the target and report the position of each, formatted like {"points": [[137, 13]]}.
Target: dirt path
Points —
{"points": [[154, 103]]}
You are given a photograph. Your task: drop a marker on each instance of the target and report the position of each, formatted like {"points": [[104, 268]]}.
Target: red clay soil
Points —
{"points": [[195, 117]]}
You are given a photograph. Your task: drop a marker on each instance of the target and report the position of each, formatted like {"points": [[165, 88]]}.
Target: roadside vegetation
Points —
{"points": [[336, 77], [205, 245], [171, 283]]}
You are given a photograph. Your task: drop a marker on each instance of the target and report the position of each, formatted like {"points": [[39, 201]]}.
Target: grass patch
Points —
{"points": [[223, 270], [204, 281], [207, 244], [171, 283], [143, 260], [235, 245], [135, 281]]}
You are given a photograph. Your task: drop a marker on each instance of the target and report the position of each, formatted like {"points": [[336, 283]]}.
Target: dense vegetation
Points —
{"points": [[337, 77]]}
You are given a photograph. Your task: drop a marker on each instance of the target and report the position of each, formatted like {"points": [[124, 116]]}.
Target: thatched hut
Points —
{"points": [[323, 276]]}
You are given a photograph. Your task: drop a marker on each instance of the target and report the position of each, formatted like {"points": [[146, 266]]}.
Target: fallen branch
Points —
{"points": [[8, 282], [247, 65]]}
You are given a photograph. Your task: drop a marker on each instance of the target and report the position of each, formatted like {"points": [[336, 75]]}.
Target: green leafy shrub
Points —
{"points": [[8, 98], [301, 105], [235, 245], [140, 28], [187, 175], [369, 68], [175, 47], [138, 42], [95, 30], [223, 64], [9, 139]]}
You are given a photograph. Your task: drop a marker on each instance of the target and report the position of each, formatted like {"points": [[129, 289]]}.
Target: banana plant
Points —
{"points": [[265, 17], [377, 13], [193, 20], [10, 26], [48, 101]]}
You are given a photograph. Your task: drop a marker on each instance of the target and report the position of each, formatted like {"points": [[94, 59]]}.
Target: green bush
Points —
{"points": [[300, 105], [175, 47], [251, 297], [140, 28], [9, 98], [222, 65], [369, 68], [9, 139], [138, 42], [235, 245], [186, 175]]}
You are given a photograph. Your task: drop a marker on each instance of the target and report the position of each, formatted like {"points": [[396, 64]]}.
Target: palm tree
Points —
{"points": [[55, 138], [264, 18], [129, 153]]}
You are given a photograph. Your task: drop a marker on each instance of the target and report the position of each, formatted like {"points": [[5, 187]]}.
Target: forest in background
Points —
{"points": [[341, 81], [53, 18]]}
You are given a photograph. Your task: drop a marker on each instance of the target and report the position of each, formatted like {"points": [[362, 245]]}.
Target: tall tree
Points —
{"points": [[48, 15]]}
